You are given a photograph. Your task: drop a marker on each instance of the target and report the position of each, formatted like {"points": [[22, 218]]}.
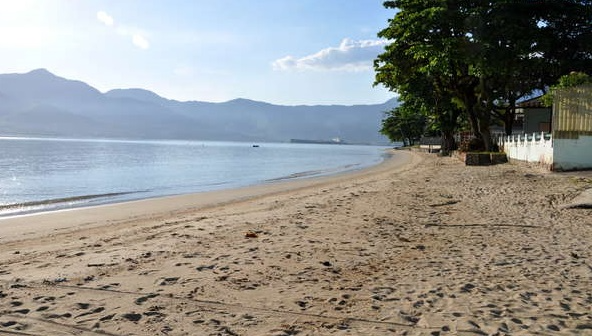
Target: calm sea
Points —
{"points": [[51, 174]]}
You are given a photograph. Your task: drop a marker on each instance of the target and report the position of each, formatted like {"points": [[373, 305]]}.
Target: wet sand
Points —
{"points": [[420, 245]]}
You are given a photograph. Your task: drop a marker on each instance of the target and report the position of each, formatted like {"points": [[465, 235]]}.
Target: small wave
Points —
{"points": [[296, 175], [310, 173], [55, 201]]}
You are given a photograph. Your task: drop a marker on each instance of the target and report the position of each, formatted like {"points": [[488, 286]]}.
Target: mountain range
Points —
{"points": [[42, 104]]}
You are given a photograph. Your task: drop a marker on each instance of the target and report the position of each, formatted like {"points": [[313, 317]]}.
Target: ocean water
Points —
{"points": [[40, 174]]}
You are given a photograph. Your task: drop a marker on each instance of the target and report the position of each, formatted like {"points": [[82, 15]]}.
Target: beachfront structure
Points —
{"points": [[568, 145], [533, 116], [430, 144]]}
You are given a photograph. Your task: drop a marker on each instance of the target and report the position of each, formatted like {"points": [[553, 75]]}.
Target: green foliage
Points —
{"points": [[574, 79], [567, 81], [404, 123], [479, 57]]}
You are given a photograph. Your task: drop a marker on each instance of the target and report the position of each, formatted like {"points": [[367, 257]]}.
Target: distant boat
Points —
{"points": [[335, 141], [256, 146]]}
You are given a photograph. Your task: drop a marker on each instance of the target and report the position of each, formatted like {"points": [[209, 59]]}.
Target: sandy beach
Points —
{"points": [[419, 245]]}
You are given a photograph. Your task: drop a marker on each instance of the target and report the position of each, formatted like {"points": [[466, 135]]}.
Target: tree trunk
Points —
{"points": [[484, 119], [448, 143], [486, 137], [470, 102], [508, 123], [473, 121], [509, 116]]}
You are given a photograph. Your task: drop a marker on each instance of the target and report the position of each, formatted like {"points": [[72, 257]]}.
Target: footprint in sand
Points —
{"points": [[143, 299]]}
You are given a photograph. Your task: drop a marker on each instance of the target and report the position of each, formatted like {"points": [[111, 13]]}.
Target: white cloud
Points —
{"points": [[140, 41], [137, 37], [105, 18], [350, 55]]}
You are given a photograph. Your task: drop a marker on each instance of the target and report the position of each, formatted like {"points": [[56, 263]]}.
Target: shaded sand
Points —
{"points": [[420, 245]]}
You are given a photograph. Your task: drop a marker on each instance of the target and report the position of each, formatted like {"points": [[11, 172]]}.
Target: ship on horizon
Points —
{"points": [[334, 141]]}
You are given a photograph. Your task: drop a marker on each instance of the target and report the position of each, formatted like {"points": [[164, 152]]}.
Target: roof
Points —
{"points": [[535, 102]]}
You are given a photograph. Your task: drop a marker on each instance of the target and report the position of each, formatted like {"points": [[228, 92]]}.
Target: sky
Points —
{"points": [[287, 52]]}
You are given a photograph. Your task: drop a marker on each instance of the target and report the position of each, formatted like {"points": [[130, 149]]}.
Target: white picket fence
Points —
{"points": [[535, 147]]}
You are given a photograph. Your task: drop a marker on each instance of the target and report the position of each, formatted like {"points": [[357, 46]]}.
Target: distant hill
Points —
{"points": [[40, 103]]}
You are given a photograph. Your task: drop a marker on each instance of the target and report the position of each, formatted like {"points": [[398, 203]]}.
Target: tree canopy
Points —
{"points": [[478, 58], [405, 123]]}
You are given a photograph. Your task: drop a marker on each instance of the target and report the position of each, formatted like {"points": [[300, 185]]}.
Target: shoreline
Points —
{"points": [[423, 246], [62, 195], [12, 226]]}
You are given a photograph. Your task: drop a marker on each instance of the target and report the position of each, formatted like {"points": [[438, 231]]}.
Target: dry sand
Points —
{"points": [[420, 245]]}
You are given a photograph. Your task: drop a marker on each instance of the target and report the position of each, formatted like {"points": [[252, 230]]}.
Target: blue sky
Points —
{"points": [[286, 52]]}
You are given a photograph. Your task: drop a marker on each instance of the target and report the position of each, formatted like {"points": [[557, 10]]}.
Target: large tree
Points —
{"points": [[482, 56], [414, 64], [432, 47], [525, 46]]}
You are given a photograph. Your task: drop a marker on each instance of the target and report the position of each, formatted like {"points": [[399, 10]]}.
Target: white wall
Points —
{"points": [[573, 154], [530, 148]]}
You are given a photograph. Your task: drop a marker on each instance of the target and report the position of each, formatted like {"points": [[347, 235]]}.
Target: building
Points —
{"points": [[568, 145], [534, 116]]}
